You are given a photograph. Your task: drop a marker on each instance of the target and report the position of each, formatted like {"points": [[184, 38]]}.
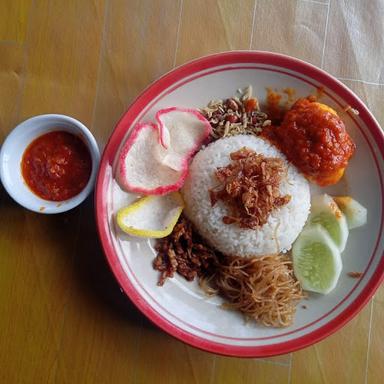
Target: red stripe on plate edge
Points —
{"points": [[137, 281], [151, 92], [170, 90]]}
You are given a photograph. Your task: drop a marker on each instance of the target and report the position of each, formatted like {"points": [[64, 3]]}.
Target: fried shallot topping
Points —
{"points": [[249, 186]]}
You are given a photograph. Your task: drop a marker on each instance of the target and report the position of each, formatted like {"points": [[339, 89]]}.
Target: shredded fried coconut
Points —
{"points": [[184, 252], [250, 188]]}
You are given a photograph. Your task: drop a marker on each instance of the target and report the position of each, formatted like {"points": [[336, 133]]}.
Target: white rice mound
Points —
{"points": [[284, 224]]}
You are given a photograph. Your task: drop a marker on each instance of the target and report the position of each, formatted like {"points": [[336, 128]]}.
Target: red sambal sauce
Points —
{"points": [[274, 110], [314, 138], [56, 166]]}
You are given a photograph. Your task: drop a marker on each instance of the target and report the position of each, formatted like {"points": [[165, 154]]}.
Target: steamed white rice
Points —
{"points": [[283, 225]]}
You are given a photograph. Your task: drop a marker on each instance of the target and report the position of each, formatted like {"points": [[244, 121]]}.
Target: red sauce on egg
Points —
{"points": [[56, 166], [314, 138]]}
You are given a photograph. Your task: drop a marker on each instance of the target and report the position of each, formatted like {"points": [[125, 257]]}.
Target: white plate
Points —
{"points": [[179, 307]]}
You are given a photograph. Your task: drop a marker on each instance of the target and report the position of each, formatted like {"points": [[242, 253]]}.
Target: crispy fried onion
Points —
{"points": [[249, 186]]}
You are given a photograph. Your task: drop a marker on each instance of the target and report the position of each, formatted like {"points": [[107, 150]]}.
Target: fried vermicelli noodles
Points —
{"points": [[264, 288]]}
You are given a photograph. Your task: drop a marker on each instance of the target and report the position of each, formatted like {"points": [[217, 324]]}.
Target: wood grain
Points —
{"points": [[62, 67], [213, 26], [127, 65], [63, 317], [37, 251], [193, 366], [356, 30], [303, 37], [140, 40], [11, 74], [341, 358], [247, 371], [376, 350], [35, 290], [14, 20]]}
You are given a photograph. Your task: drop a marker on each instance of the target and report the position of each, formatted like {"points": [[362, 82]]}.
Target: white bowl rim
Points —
{"points": [[89, 141]]}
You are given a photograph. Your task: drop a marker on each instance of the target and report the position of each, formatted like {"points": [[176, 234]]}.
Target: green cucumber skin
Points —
{"points": [[327, 220], [312, 235], [323, 212], [355, 213]]}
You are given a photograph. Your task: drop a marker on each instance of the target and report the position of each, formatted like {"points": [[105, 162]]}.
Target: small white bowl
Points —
{"points": [[12, 152]]}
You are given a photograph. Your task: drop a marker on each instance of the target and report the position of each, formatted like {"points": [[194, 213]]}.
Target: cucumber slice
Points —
{"points": [[324, 211], [316, 260], [355, 213]]}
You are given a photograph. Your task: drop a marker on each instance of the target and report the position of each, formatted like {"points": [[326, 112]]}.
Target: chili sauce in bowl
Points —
{"points": [[48, 163], [56, 166]]}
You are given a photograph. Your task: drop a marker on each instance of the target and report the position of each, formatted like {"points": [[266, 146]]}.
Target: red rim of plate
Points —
{"points": [[228, 58]]}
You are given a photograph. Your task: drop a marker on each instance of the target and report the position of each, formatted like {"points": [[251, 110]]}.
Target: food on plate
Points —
{"points": [[56, 166], [273, 105], [249, 186], [323, 107], [355, 275], [264, 289], [316, 260], [154, 160], [140, 171], [354, 212], [236, 115], [182, 131], [279, 231], [184, 252], [250, 231], [312, 250], [270, 299], [314, 139], [324, 211], [151, 216]]}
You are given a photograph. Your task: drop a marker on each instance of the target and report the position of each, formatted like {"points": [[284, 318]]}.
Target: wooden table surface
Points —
{"points": [[63, 318]]}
